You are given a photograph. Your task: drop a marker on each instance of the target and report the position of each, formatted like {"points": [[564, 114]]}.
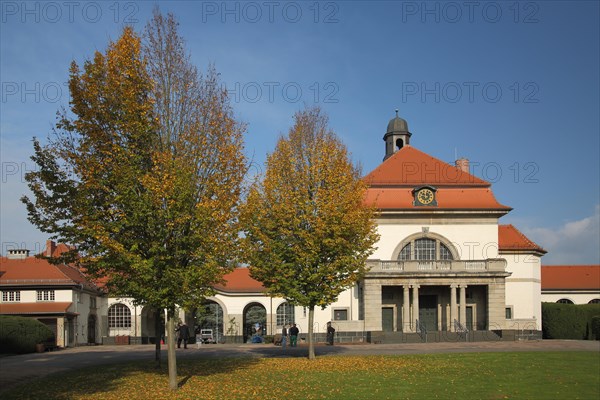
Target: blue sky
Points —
{"points": [[513, 86]]}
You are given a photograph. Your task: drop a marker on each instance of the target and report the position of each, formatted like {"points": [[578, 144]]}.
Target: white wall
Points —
{"points": [[473, 241], [576, 298]]}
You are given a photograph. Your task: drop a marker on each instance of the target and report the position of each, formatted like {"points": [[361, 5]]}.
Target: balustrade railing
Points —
{"points": [[436, 265], [462, 331]]}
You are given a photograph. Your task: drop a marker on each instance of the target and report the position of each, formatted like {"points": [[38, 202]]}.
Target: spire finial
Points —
{"points": [[396, 113]]}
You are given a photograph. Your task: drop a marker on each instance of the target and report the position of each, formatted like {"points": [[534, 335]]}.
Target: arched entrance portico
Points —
{"points": [[210, 316], [255, 321]]}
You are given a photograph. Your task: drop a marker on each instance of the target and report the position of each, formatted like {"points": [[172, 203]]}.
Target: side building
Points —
{"points": [[60, 296], [571, 284]]}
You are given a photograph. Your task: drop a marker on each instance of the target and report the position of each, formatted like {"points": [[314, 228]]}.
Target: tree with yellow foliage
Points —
{"points": [[144, 174], [308, 232]]}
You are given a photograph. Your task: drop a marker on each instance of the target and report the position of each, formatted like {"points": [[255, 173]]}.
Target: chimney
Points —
{"points": [[50, 248], [462, 164], [18, 254]]}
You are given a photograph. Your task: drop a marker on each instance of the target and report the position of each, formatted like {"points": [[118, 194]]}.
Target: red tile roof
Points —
{"points": [[571, 277], [447, 199], [511, 239], [54, 250], [411, 167], [391, 184], [240, 281], [35, 308], [36, 271]]}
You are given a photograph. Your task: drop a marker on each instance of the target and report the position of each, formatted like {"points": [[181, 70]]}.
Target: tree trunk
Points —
{"points": [[171, 356], [158, 335], [311, 345]]}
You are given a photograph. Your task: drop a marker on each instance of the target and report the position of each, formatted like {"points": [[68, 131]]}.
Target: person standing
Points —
{"points": [[294, 331], [330, 332], [284, 336]]}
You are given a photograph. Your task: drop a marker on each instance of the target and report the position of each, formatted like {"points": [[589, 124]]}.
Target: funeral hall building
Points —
{"points": [[443, 261]]}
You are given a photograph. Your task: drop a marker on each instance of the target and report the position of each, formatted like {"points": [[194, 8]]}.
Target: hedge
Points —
{"points": [[19, 335], [570, 321]]}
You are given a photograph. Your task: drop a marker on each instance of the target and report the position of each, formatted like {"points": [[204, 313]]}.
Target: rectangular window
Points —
{"points": [[425, 249], [45, 295], [92, 302], [340, 315], [508, 312], [11, 296]]}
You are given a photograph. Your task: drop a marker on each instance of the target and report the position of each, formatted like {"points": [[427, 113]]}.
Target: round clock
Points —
{"points": [[425, 196]]}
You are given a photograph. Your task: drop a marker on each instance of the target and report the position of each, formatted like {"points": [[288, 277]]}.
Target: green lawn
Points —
{"points": [[531, 375]]}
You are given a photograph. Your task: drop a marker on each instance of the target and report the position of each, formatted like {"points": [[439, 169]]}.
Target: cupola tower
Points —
{"points": [[396, 136]]}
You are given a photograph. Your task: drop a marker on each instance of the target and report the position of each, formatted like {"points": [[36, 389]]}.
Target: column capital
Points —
{"points": [[415, 286], [463, 286], [453, 285]]}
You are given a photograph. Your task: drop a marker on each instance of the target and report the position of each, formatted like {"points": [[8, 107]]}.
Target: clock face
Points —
{"points": [[425, 196]]}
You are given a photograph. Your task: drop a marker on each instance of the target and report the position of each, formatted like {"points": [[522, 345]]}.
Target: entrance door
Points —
{"points": [[387, 319], [91, 329], [428, 312], [469, 324]]}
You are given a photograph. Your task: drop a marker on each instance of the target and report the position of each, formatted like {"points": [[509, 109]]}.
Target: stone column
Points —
{"points": [[463, 305], [372, 304], [415, 306], [453, 307], [496, 305], [406, 310]]}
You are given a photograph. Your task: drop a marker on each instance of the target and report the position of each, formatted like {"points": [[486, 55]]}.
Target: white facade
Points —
{"points": [[523, 291]]}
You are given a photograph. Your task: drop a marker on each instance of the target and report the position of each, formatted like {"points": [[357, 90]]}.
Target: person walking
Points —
{"points": [[294, 331], [284, 334], [330, 332], [183, 336]]}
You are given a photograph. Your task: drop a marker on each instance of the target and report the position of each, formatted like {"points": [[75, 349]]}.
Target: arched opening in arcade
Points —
{"points": [[210, 316], [255, 322]]}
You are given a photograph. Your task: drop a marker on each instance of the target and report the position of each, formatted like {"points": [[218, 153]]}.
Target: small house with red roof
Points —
{"points": [[60, 296]]}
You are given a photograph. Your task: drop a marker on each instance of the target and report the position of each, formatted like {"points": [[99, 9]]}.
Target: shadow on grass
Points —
{"points": [[133, 377], [271, 351], [184, 381]]}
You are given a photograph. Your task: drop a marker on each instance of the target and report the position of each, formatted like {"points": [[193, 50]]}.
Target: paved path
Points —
{"points": [[17, 369]]}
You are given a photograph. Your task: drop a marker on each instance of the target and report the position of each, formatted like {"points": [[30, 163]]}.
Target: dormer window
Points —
{"points": [[45, 295], [9, 296]]}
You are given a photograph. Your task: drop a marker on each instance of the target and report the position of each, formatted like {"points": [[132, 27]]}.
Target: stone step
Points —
{"points": [[433, 337]]}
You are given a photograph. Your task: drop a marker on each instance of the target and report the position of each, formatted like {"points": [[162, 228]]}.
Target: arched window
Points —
{"points": [[445, 253], [425, 249], [594, 301], [285, 314], [405, 253], [119, 316], [565, 301]]}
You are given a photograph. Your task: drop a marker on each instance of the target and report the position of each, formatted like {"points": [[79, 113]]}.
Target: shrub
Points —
{"points": [[568, 321], [596, 327], [20, 334]]}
